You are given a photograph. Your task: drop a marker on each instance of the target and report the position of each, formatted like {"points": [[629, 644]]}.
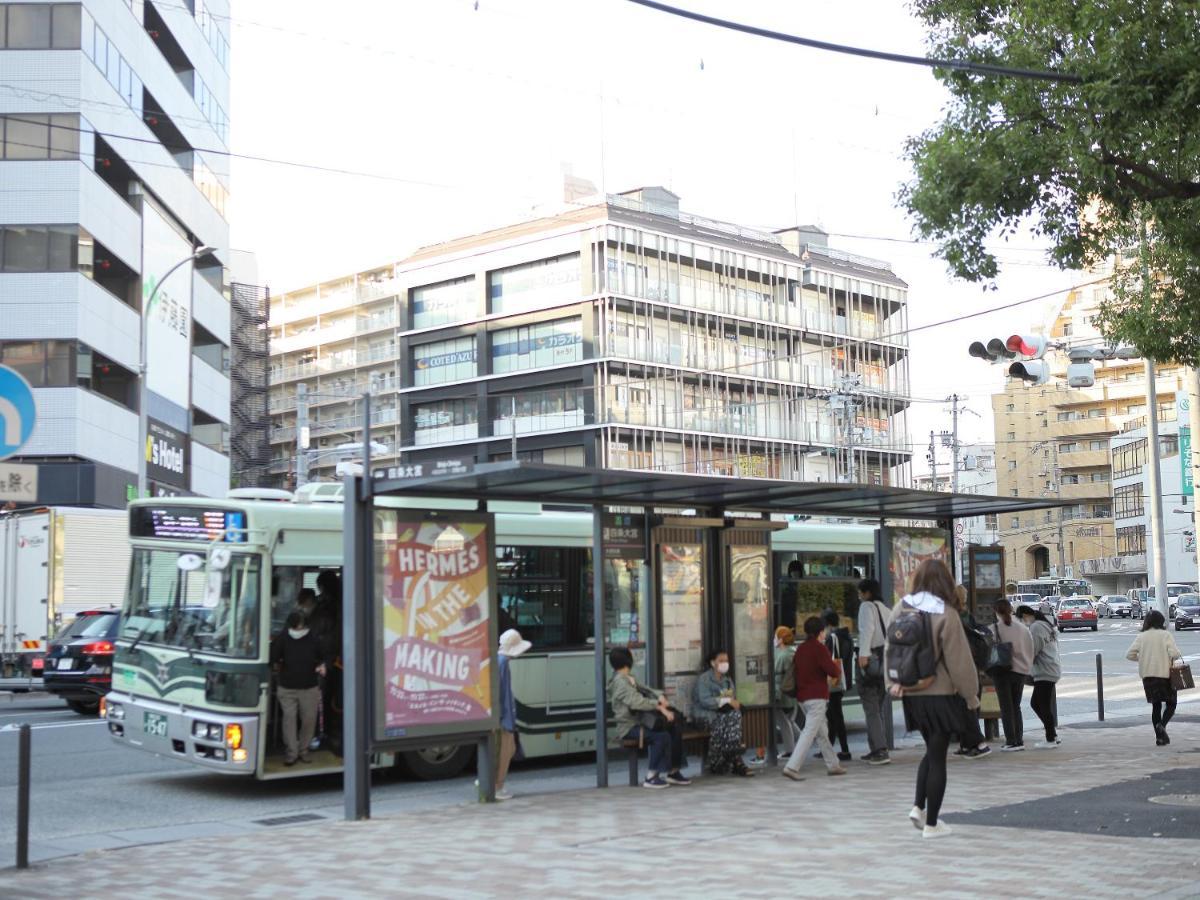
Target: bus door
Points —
{"points": [[682, 562]]}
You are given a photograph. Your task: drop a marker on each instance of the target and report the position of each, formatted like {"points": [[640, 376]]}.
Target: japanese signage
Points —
{"points": [[18, 482], [166, 454], [436, 632], [167, 306], [681, 568], [188, 523], [458, 465], [624, 536], [1185, 460]]}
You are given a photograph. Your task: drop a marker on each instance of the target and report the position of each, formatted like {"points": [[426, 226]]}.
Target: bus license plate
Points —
{"points": [[153, 723]]}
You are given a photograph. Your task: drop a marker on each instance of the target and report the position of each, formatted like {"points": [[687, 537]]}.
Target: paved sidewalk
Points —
{"points": [[844, 837]]}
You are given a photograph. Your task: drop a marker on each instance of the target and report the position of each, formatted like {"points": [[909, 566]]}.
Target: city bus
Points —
{"points": [[1052, 587], [212, 581]]}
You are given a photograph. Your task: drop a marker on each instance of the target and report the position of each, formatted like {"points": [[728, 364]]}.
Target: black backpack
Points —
{"points": [[980, 641], [911, 662]]}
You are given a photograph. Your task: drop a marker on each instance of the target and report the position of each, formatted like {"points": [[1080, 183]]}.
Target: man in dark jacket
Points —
{"points": [[299, 660]]}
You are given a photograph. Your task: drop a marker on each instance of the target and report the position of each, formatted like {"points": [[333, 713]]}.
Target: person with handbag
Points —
{"points": [[836, 637], [1009, 669], [785, 687], [873, 617], [1156, 653], [1045, 672], [644, 715], [815, 670], [718, 709], [938, 702]]}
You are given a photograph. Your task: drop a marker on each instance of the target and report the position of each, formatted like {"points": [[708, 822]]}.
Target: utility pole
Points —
{"points": [[302, 432], [1193, 377], [932, 457], [954, 443], [845, 399], [1062, 544], [1154, 455]]}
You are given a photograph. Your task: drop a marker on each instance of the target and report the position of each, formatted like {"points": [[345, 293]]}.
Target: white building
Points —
{"points": [[113, 119], [1131, 503]]}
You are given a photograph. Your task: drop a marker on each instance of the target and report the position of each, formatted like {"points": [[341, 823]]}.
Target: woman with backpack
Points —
{"points": [[1010, 679], [718, 708], [1045, 672], [837, 642], [1155, 652], [929, 665]]}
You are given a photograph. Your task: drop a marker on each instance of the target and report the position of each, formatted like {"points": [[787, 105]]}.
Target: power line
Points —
{"points": [[960, 65]]}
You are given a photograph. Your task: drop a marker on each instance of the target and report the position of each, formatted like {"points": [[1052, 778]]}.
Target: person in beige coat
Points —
{"points": [[1155, 652], [940, 710]]}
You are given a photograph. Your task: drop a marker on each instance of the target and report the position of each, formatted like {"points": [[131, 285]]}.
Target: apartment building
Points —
{"points": [[1054, 441], [113, 125], [622, 334]]}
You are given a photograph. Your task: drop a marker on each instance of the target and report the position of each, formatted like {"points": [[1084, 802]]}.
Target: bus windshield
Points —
{"points": [[167, 604]]}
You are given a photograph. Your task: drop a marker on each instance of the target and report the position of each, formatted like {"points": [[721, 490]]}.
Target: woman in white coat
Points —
{"points": [[1155, 652]]}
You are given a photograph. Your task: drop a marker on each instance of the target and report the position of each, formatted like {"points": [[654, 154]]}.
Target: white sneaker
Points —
{"points": [[1047, 745], [941, 829], [502, 794], [917, 817]]}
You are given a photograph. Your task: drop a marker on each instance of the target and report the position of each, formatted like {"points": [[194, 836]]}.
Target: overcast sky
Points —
{"points": [[468, 116]]}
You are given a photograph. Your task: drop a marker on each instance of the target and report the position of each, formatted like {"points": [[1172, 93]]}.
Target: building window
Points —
{"points": [[1068, 448], [41, 26], [210, 186], [39, 136], [991, 522], [1011, 407], [440, 304], [536, 285], [1168, 445], [1129, 501], [1129, 459], [1102, 511], [42, 363], [1097, 413], [103, 52], [556, 406], [1015, 522], [1097, 445], [1012, 435], [1070, 479], [445, 420], [1012, 465], [39, 248], [537, 346], [1012, 492], [443, 361], [1131, 540]]}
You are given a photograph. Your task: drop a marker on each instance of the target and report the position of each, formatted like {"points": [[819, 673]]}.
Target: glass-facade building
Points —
{"points": [[626, 334]]}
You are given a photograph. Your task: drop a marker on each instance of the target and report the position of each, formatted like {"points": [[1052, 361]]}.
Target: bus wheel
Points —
{"points": [[432, 763]]}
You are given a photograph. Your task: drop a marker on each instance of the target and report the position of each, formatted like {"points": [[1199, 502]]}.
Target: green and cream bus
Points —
{"points": [[212, 581]]}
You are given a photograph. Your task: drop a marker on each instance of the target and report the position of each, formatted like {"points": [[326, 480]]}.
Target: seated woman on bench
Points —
{"points": [[643, 715], [720, 711]]}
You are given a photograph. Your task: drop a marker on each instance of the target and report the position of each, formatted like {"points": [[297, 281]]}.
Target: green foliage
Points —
{"points": [[1084, 162]]}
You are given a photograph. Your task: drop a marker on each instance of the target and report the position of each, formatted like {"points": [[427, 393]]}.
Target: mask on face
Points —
{"points": [[297, 633], [723, 667], [778, 643]]}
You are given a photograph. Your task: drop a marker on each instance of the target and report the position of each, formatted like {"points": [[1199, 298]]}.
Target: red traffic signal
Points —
{"points": [[1031, 346]]}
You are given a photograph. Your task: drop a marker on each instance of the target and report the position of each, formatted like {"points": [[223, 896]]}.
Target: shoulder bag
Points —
{"points": [[788, 686], [999, 656], [1181, 677], [873, 673]]}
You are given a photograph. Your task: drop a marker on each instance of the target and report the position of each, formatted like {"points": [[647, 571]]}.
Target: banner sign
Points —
{"points": [[902, 550], [1185, 460], [166, 454], [436, 634]]}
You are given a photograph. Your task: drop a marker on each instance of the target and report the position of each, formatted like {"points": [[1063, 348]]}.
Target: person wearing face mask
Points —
{"points": [[719, 709], [298, 659]]}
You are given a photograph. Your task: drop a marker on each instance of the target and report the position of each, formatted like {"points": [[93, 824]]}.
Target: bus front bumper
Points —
{"points": [[219, 741]]}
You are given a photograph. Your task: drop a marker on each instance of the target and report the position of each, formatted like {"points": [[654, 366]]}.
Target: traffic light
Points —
{"points": [[993, 351], [1033, 369], [1081, 372]]}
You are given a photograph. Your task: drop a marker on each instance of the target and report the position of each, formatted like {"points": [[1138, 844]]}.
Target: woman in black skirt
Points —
{"points": [[940, 710], [1155, 651]]}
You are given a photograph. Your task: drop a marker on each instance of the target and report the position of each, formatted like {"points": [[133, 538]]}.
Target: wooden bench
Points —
{"points": [[757, 726]]}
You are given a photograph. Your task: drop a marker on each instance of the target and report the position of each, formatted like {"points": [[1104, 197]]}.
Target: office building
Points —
{"points": [[1054, 441], [114, 132], [621, 334]]}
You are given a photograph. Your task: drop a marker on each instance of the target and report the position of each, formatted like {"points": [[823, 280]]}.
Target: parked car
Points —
{"points": [[78, 661], [1187, 611], [1114, 606], [1077, 612]]}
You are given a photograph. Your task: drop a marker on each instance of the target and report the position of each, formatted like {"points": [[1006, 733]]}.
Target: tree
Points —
{"points": [[1086, 162]]}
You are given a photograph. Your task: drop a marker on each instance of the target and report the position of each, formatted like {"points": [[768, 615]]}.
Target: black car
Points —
{"points": [[78, 662], [1187, 611]]}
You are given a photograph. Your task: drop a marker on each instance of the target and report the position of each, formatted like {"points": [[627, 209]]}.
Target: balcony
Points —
{"points": [[1090, 490], [1083, 458], [1099, 426]]}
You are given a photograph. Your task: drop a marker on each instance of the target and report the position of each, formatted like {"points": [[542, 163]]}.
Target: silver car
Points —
{"points": [[1112, 606]]}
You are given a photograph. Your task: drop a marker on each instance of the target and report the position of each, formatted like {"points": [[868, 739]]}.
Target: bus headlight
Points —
{"points": [[207, 731], [233, 736]]}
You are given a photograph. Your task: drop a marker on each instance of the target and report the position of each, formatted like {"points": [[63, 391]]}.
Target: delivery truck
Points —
{"points": [[54, 563]]}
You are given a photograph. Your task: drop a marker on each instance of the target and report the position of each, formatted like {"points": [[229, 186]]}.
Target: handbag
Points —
{"points": [[873, 673], [1181, 677], [999, 656]]}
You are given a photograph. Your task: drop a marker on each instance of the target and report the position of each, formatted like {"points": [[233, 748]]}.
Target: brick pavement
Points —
{"points": [[846, 837]]}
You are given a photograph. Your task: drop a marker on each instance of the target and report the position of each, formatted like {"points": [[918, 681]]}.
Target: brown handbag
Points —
{"points": [[1181, 677]]}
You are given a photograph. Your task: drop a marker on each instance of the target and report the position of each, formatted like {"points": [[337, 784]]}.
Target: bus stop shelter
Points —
{"points": [[744, 506]]}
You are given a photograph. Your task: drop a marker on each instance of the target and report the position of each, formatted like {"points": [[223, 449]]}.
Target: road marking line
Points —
{"points": [[14, 726]]}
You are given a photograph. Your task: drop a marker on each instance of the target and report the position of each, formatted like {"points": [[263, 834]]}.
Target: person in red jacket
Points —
{"points": [[815, 668]]}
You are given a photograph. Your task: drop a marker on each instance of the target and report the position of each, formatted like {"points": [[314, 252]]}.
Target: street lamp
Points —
{"points": [[143, 415]]}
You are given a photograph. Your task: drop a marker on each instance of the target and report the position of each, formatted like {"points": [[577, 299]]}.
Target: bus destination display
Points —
{"points": [[186, 523]]}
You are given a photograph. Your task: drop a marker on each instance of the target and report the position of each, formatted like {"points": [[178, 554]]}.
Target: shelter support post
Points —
{"points": [[356, 651], [598, 624]]}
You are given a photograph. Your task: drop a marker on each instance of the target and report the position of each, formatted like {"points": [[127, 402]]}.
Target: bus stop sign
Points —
{"points": [[17, 412]]}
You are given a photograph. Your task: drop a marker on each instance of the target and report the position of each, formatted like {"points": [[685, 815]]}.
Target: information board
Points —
{"points": [[682, 573], [436, 624], [188, 523], [902, 550], [750, 591]]}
